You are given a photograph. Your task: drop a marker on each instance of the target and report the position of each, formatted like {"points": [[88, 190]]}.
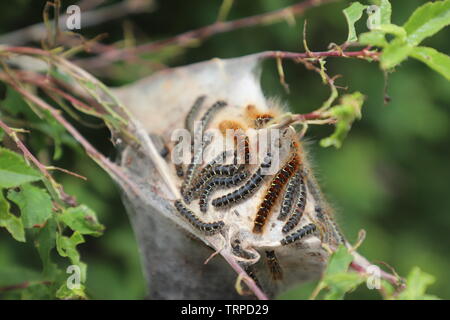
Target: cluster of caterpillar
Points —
{"points": [[287, 187]]}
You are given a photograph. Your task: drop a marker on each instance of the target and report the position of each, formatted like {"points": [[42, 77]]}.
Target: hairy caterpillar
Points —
{"points": [[274, 266], [300, 204], [292, 189], [299, 234], [209, 228], [273, 192], [226, 182], [247, 189]]}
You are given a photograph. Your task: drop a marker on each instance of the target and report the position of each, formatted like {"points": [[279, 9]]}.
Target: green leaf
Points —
{"points": [[337, 279], [345, 113], [434, 59], [15, 104], [385, 11], [393, 29], [340, 283], [427, 20], [71, 294], [394, 53], [339, 261], [373, 38], [83, 220], [14, 171], [34, 203], [45, 242], [416, 285], [9, 221], [352, 14], [67, 247]]}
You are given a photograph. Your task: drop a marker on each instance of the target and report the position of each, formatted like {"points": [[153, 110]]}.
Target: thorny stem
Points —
{"points": [[202, 33]]}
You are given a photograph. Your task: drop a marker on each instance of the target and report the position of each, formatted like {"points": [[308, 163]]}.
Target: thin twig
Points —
{"points": [[90, 150], [202, 33], [37, 32]]}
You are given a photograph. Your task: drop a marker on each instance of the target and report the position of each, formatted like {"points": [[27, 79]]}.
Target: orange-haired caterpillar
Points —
{"points": [[299, 208], [299, 234], [273, 192], [226, 182], [292, 189], [274, 265], [247, 189], [209, 228]]}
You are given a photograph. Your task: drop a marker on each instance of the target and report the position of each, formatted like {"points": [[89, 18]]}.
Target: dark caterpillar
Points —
{"points": [[209, 228], [299, 234], [273, 193], [225, 182], [203, 177], [292, 189], [192, 114], [195, 160], [240, 252], [299, 208], [218, 170], [247, 189], [193, 166], [274, 266]]}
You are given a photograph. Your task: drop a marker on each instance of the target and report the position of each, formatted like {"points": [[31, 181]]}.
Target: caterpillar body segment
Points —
{"points": [[300, 204], [274, 266], [225, 182], [289, 196], [273, 192], [208, 228], [246, 190], [299, 234]]}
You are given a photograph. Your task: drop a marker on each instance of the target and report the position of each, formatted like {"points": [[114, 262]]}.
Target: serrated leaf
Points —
{"points": [[427, 20], [83, 220], [352, 14], [9, 221], [67, 247], [434, 59], [394, 53], [416, 285], [34, 203], [348, 110], [14, 171]]}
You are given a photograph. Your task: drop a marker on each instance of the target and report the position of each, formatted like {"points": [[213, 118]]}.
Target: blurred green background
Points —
{"points": [[391, 177]]}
